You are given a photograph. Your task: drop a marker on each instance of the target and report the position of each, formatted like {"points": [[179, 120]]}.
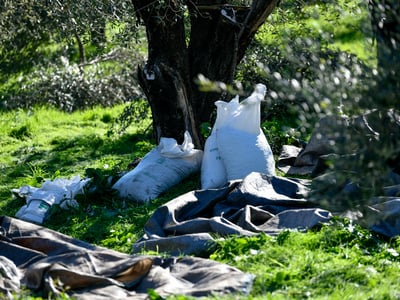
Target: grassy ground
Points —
{"points": [[337, 261], [44, 143]]}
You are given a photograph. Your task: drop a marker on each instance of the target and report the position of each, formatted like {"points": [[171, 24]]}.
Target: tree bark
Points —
{"points": [[220, 35], [81, 47], [385, 21], [218, 38]]}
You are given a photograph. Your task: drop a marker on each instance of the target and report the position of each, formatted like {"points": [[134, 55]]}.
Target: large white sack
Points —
{"points": [[243, 153], [246, 115], [160, 169], [213, 173], [242, 144]]}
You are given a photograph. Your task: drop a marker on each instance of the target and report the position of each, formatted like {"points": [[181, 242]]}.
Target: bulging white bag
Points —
{"points": [[160, 169], [237, 146], [241, 141], [243, 153]]}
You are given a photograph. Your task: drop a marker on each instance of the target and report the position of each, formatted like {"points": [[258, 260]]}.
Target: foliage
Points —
{"points": [[29, 23], [133, 113], [70, 87], [45, 47], [306, 74], [20, 26], [303, 57]]}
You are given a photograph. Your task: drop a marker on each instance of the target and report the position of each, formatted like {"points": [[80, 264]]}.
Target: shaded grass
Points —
{"points": [[111, 222], [44, 143]]}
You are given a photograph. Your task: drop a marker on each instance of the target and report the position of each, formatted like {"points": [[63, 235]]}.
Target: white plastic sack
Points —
{"points": [[237, 146], [245, 117], [243, 153], [160, 169], [213, 173], [39, 200], [241, 141]]}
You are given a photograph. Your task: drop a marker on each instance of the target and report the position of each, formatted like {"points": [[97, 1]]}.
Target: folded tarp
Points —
{"points": [[48, 262], [258, 203]]}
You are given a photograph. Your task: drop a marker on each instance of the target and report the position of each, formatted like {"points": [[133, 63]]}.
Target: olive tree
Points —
{"points": [[367, 145], [25, 25], [58, 49], [186, 39]]}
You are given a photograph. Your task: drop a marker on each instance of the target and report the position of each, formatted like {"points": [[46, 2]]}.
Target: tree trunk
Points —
{"points": [[219, 36], [385, 21], [82, 56]]}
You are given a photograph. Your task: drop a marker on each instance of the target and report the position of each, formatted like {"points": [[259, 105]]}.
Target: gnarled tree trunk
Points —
{"points": [[211, 41]]}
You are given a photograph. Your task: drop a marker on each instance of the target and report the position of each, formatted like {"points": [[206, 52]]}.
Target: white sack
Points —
{"points": [[241, 142], [243, 153], [213, 173], [246, 116], [160, 169]]}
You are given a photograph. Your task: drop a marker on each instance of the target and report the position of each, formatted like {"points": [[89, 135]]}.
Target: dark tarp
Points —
{"points": [[49, 262], [258, 203]]}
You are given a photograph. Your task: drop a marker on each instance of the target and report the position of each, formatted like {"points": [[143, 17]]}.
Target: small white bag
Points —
{"points": [[60, 191]]}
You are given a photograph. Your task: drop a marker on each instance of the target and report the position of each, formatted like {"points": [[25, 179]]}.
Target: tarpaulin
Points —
{"points": [[46, 261], [258, 203]]}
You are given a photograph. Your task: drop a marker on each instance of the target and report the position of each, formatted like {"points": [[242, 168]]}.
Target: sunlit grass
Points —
{"points": [[344, 26], [337, 262]]}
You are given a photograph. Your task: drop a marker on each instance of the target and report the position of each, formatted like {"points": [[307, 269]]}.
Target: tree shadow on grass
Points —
{"points": [[116, 223], [84, 150], [68, 157], [102, 217]]}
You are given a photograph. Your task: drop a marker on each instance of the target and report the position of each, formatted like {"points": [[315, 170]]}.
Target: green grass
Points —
{"points": [[344, 26], [45, 143], [337, 261]]}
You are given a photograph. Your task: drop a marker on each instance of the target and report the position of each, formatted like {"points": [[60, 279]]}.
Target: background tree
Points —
{"points": [[185, 39], [385, 18], [67, 54], [26, 25], [369, 145]]}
